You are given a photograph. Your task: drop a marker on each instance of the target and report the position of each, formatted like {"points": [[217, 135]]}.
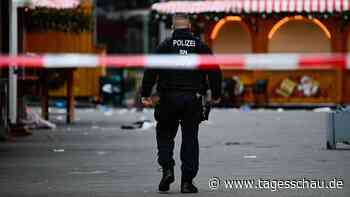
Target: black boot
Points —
{"points": [[188, 187], [167, 179]]}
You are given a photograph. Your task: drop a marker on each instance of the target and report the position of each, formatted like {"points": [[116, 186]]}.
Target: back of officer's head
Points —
{"points": [[181, 21]]}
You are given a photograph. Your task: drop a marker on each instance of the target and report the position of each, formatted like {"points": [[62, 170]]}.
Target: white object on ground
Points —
{"points": [[58, 150], [61, 111], [59, 118], [90, 172], [101, 152], [147, 125], [323, 109], [108, 113], [95, 127], [250, 156], [122, 111], [280, 110], [34, 121]]}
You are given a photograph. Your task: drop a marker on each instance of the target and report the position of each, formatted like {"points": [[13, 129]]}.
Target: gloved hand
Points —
{"points": [[217, 101], [205, 111], [147, 101]]}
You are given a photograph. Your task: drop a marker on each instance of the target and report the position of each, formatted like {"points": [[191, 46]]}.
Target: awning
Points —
{"points": [[252, 6], [57, 4]]}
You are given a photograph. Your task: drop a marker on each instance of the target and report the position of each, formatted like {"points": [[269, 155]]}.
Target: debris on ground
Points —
{"points": [[142, 125], [245, 108], [323, 109], [58, 150], [280, 110], [108, 113], [95, 127], [56, 110], [101, 152], [59, 118], [237, 143], [147, 125], [35, 121], [121, 111], [89, 172], [250, 156]]}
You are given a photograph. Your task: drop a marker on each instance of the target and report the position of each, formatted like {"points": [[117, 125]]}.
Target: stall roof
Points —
{"points": [[252, 6], [57, 4]]}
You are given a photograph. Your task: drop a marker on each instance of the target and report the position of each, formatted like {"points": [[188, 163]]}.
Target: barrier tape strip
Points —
{"points": [[227, 61]]}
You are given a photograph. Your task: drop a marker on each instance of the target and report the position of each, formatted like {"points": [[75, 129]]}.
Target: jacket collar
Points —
{"points": [[182, 32]]}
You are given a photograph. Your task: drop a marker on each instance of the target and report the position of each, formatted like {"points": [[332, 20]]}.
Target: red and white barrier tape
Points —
{"points": [[248, 61]]}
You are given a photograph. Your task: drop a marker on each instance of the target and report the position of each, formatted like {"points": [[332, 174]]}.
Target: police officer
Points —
{"points": [[180, 104]]}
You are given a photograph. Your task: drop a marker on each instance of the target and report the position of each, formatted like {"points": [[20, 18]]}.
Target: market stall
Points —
{"points": [[51, 29], [273, 26]]}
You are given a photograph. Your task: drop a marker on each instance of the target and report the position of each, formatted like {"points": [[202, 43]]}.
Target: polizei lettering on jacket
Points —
{"points": [[184, 43]]}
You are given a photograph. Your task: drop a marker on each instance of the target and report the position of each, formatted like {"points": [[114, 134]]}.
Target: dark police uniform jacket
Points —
{"points": [[182, 42]]}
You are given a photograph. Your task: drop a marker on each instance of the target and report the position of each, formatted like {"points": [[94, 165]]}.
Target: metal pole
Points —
{"points": [[145, 33], [13, 68], [162, 31]]}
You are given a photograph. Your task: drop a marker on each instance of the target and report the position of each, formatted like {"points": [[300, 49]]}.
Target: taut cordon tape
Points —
{"points": [[271, 61]]}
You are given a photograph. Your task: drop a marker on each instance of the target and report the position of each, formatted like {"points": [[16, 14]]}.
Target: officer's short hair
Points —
{"points": [[180, 20], [179, 16]]}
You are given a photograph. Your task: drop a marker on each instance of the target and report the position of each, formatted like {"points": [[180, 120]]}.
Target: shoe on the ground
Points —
{"points": [[167, 179], [188, 187]]}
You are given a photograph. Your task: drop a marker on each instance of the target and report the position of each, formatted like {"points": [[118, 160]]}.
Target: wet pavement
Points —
{"points": [[95, 157]]}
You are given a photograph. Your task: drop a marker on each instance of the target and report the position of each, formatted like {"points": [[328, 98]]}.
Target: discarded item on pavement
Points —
{"points": [[250, 156], [280, 110], [245, 108], [35, 121], [237, 143], [89, 172], [143, 125], [108, 113], [323, 109], [95, 127], [58, 150]]}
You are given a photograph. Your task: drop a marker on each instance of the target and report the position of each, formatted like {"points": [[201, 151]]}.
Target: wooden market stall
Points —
{"points": [[274, 26], [64, 31]]}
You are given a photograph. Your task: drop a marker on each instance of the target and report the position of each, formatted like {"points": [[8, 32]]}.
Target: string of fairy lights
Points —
{"points": [[215, 17], [76, 20]]}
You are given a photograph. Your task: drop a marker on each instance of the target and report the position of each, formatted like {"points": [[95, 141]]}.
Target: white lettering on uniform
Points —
{"points": [[183, 52], [184, 43]]}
